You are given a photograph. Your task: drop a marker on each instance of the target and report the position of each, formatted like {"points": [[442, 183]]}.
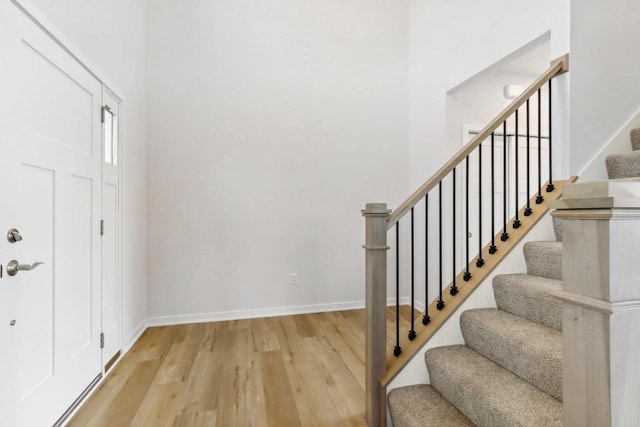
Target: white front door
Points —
{"points": [[50, 191]]}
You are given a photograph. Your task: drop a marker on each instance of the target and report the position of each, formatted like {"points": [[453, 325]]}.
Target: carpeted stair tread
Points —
{"points": [[544, 259], [626, 165], [421, 406], [529, 297], [531, 351], [487, 394]]}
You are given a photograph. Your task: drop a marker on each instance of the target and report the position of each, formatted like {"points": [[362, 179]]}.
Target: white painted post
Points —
{"points": [[376, 311], [601, 303]]}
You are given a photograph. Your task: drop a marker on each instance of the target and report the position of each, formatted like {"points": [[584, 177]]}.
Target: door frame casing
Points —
{"points": [[106, 90]]}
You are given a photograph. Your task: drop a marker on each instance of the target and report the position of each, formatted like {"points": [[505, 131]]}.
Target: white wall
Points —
{"points": [[271, 124], [449, 43], [477, 101], [110, 38], [604, 88], [560, 45]]}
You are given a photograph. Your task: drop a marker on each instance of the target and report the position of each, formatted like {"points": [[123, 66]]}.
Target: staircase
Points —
{"points": [[509, 372]]}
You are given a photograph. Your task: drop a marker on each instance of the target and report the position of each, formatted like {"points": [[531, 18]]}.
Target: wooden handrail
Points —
{"points": [[558, 66]]}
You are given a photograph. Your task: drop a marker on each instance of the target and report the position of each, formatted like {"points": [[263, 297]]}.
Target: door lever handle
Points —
{"points": [[14, 266]]}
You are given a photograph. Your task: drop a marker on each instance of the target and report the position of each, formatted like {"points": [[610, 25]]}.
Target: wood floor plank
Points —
{"points": [[306, 325], [126, 404], [181, 355], [353, 322], [237, 400], [159, 406], [344, 389], [155, 343], [309, 389], [239, 324], [332, 331], [94, 409], [279, 396], [202, 391], [326, 418], [196, 419], [264, 337]]}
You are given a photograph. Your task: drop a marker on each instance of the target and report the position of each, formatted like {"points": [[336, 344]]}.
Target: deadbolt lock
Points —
{"points": [[13, 236]]}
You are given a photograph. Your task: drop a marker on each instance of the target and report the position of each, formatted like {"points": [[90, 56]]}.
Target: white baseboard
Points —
{"points": [[418, 305], [219, 316], [252, 314], [134, 336]]}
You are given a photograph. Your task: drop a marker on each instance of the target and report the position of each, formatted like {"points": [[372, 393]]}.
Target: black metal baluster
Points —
{"points": [[412, 332], [516, 221], [425, 318], [504, 236], [397, 349], [539, 198], [528, 210], [493, 249], [454, 288], [550, 186], [480, 260], [467, 274], [440, 304]]}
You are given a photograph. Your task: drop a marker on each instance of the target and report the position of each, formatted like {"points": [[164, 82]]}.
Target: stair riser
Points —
{"points": [[625, 165], [544, 259], [530, 298], [422, 406]]}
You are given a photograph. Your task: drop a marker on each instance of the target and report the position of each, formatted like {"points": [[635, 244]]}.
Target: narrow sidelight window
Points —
{"points": [[110, 126]]}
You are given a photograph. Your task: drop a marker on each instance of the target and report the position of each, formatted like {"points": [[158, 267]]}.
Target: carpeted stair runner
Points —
{"points": [[509, 373], [625, 165]]}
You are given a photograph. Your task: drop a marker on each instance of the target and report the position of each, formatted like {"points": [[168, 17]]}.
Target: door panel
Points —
{"points": [[77, 265], [50, 167], [36, 224], [45, 81]]}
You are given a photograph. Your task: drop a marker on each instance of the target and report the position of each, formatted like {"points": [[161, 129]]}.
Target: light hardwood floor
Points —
{"points": [[304, 370]]}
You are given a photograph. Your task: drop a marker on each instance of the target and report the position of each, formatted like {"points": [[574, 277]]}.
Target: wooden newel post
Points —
{"points": [[376, 248], [601, 303]]}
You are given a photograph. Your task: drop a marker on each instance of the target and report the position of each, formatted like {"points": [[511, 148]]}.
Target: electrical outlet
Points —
{"points": [[294, 278]]}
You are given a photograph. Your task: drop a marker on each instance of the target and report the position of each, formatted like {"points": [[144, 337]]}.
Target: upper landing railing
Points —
{"points": [[486, 197]]}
